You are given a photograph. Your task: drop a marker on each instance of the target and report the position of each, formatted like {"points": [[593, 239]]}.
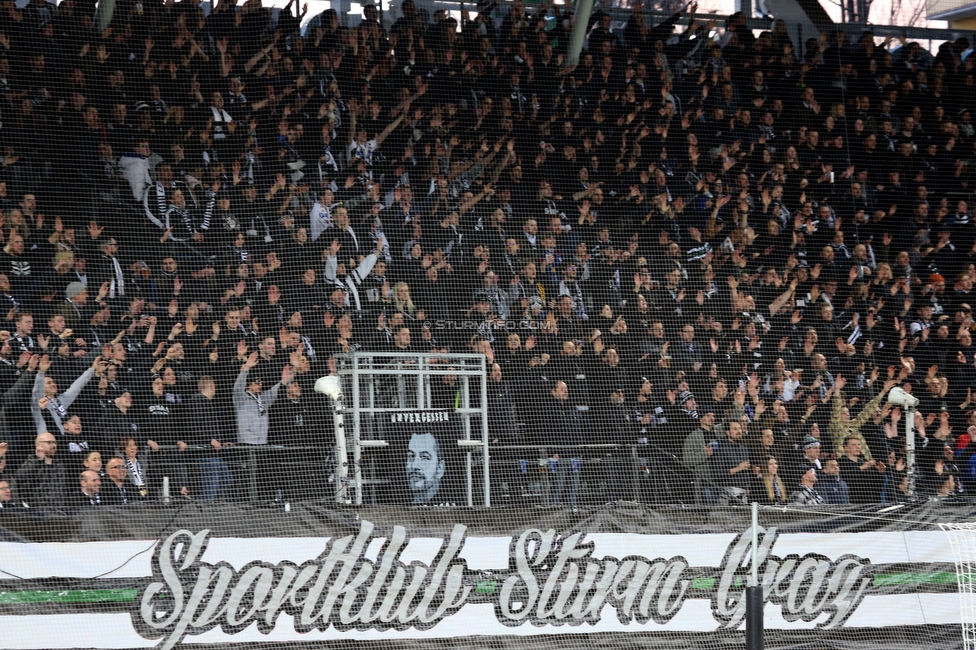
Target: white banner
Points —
{"points": [[194, 589]]}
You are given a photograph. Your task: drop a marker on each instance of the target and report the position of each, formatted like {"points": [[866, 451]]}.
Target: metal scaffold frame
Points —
{"points": [[374, 384]]}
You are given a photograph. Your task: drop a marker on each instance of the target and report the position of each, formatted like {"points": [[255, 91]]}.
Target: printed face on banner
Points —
{"points": [[425, 466]]}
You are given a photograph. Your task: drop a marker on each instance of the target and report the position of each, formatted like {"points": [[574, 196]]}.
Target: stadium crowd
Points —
{"points": [[725, 250]]}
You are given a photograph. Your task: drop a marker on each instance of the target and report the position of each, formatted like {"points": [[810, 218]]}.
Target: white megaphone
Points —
{"points": [[330, 386], [896, 396]]}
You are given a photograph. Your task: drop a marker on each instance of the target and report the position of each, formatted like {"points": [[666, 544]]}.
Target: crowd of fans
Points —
{"points": [[724, 250]]}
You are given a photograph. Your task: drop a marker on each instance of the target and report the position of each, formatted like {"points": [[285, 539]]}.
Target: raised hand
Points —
{"points": [[100, 365], [760, 408], [251, 361]]}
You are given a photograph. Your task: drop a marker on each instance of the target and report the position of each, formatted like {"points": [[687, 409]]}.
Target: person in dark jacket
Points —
{"points": [[615, 425], [698, 451], [163, 424], [506, 466], [16, 421], [730, 463], [119, 422], [566, 428], [116, 490], [864, 477], [832, 487], [42, 479], [88, 496], [300, 423], [209, 439]]}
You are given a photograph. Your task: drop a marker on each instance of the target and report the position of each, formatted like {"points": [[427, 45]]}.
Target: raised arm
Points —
{"points": [[782, 300], [69, 396], [388, 130], [286, 377], [260, 54], [37, 394], [872, 406]]}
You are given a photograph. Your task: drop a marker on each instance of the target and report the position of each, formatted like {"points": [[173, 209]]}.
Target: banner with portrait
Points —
{"points": [[423, 463]]}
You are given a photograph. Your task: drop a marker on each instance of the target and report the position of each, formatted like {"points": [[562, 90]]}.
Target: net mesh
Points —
{"points": [[960, 537], [274, 277]]}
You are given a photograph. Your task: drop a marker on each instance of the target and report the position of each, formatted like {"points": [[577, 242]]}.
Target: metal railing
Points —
{"points": [[390, 382]]}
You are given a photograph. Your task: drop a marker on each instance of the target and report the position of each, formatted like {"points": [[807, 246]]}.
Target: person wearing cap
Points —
{"points": [[73, 307], [806, 494], [251, 402], [682, 418], [937, 294], [808, 457], [482, 314]]}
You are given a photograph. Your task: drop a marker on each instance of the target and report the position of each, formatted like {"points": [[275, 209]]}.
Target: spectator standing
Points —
{"points": [[42, 480], [566, 431]]}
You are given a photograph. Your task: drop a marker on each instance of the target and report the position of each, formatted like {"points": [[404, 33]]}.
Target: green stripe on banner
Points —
{"points": [[483, 587], [937, 578], [68, 596]]}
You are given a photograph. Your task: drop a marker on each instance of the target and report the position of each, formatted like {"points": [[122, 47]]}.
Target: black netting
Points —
{"points": [[683, 273]]}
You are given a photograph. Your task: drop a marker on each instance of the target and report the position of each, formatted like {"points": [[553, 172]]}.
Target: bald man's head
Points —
{"points": [[91, 482], [45, 446]]}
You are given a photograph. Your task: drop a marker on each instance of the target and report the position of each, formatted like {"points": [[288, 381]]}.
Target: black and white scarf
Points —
{"points": [[262, 409], [135, 472]]}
